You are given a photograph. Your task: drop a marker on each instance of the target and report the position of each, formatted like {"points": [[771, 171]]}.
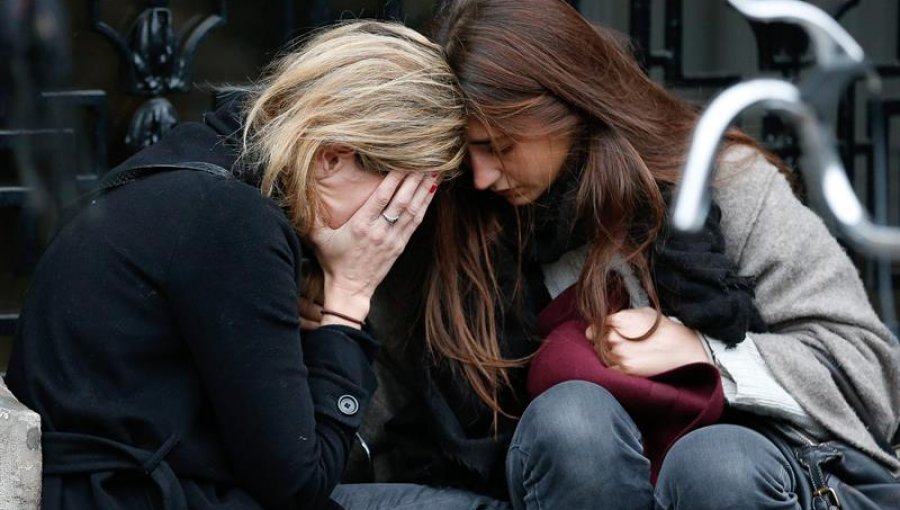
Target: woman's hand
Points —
{"points": [[356, 257], [672, 344], [310, 314]]}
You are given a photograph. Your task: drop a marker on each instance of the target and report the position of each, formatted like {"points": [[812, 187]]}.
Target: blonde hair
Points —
{"points": [[378, 88]]}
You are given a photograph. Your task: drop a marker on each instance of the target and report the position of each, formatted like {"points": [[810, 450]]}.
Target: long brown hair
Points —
{"points": [[540, 59]]}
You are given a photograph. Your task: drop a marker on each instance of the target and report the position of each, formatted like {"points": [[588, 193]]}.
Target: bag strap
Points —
{"points": [[812, 458], [128, 175]]}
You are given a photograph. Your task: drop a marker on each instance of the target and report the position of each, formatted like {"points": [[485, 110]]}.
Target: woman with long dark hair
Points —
{"points": [[573, 152]]}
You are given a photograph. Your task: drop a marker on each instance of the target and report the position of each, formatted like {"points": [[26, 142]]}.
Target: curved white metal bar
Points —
{"points": [[830, 41], [692, 194], [825, 176]]}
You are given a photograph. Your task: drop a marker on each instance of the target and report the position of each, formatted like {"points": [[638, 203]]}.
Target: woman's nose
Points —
{"points": [[485, 171]]}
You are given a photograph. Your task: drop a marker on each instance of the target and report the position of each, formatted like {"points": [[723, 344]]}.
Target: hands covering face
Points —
{"points": [[357, 256]]}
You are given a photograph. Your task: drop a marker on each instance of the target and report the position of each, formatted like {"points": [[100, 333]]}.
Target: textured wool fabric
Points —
{"points": [[811, 297]]}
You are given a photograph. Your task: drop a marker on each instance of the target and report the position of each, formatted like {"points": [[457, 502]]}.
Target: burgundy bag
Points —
{"points": [[664, 407]]}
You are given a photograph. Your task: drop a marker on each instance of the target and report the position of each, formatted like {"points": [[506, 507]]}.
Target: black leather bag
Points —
{"points": [[833, 475], [836, 475]]}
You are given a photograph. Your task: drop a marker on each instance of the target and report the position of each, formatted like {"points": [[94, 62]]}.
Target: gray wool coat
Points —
{"points": [[811, 296]]}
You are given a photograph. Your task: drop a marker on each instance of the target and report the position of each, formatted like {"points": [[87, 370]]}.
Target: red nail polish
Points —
{"points": [[433, 188]]}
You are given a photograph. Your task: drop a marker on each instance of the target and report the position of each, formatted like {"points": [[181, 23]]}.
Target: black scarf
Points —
{"points": [[695, 281]]}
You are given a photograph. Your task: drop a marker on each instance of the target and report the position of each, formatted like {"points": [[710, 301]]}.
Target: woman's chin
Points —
{"points": [[520, 199]]}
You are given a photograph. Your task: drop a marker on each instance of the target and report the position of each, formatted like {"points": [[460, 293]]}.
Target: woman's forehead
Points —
{"points": [[478, 132], [522, 128]]}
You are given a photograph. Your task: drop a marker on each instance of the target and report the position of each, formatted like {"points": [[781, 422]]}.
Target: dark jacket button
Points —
{"points": [[348, 405]]}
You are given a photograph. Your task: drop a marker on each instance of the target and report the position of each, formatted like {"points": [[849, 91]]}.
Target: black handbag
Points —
{"points": [[837, 475]]}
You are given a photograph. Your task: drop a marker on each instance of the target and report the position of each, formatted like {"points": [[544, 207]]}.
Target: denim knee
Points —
{"points": [[580, 428], [576, 447], [725, 466], [576, 417]]}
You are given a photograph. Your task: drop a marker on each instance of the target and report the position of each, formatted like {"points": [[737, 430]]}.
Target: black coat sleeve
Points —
{"points": [[286, 408]]}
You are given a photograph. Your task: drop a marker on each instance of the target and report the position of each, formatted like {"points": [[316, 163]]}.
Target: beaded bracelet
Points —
{"points": [[345, 317]]}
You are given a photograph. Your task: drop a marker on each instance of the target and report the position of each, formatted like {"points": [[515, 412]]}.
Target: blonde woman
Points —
{"points": [[161, 339]]}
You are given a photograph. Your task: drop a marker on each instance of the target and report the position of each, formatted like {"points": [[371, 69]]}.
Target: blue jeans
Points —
{"points": [[576, 447], [404, 496], [726, 466]]}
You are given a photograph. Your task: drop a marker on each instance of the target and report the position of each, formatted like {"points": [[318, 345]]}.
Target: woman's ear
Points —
{"points": [[331, 159]]}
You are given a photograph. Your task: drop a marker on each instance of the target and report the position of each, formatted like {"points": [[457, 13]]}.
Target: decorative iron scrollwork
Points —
{"points": [[157, 64], [153, 55], [153, 119]]}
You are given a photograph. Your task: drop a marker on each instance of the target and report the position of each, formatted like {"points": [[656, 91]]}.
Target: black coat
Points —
{"points": [[163, 319]]}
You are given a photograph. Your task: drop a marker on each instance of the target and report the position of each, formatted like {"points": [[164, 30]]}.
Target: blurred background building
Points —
{"points": [[85, 83]]}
